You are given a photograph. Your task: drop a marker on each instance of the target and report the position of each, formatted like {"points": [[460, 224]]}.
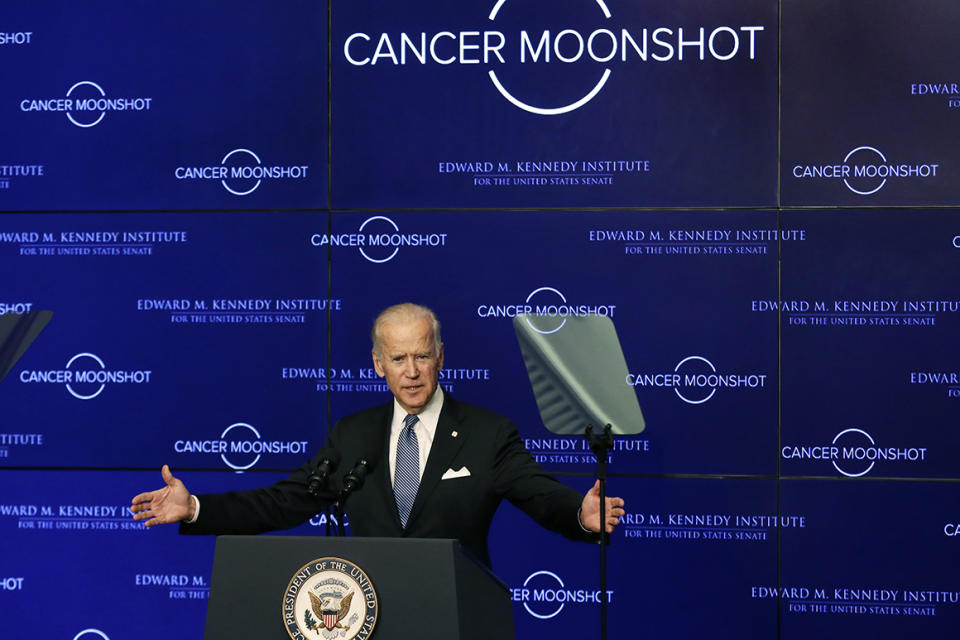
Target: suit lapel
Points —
{"points": [[443, 450]]}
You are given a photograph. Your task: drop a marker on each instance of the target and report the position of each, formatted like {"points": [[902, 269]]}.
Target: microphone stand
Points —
{"points": [[338, 507], [317, 481], [600, 445], [338, 515], [353, 481]]}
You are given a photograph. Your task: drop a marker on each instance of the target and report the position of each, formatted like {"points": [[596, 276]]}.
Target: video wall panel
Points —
{"points": [[869, 314], [173, 339], [687, 560], [870, 99], [554, 103], [874, 560], [118, 105]]}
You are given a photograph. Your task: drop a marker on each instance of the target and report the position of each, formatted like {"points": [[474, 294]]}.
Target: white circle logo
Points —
{"points": [[556, 578], [870, 186], [855, 434], [552, 326], [91, 101], [245, 173], [81, 376], [91, 632], [553, 111], [700, 367], [223, 456], [381, 239]]}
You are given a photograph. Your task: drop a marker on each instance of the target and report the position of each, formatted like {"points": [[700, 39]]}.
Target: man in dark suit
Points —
{"points": [[442, 466]]}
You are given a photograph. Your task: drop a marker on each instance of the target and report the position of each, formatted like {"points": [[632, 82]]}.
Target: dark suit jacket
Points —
{"points": [[486, 444]]}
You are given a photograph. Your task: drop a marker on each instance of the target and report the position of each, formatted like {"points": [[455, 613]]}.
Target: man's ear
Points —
{"points": [[376, 364]]}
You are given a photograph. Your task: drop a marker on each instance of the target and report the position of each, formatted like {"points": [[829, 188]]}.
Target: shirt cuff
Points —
{"points": [[196, 512], [579, 521]]}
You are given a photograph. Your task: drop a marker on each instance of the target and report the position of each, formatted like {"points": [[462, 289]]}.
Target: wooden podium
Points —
{"points": [[425, 588]]}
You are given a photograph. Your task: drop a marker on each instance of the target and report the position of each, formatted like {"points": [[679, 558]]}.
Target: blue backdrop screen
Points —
{"points": [[215, 200]]}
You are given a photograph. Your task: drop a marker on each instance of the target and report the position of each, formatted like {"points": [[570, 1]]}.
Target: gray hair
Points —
{"points": [[405, 312]]}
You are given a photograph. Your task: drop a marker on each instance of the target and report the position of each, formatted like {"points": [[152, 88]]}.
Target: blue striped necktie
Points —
{"points": [[406, 477]]}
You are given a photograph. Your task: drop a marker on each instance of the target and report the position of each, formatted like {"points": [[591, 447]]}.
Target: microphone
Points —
{"points": [[355, 478], [327, 464], [352, 481]]}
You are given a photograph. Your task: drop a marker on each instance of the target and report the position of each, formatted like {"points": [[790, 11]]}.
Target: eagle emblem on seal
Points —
{"points": [[330, 609], [330, 599]]}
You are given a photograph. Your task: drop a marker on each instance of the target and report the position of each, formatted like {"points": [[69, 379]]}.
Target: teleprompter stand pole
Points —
{"points": [[601, 445]]}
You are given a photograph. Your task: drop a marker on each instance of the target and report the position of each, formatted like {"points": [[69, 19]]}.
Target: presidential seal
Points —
{"points": [[330, 598]]}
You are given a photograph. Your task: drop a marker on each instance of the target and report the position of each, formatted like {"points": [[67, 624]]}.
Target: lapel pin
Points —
{"points": [[454, 434]]}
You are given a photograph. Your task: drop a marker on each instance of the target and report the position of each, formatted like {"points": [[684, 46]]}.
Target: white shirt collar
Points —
{"points": [[425, 427], [429, 417]]}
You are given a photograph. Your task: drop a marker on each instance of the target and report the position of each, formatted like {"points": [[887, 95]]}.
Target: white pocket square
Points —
{"points": [[449, 474]]}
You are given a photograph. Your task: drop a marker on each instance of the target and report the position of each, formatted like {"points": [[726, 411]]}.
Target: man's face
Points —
{"points": [[409, 361]]}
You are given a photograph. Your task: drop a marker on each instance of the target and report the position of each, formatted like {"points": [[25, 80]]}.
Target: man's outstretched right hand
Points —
{"points": [[172, 503]]}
